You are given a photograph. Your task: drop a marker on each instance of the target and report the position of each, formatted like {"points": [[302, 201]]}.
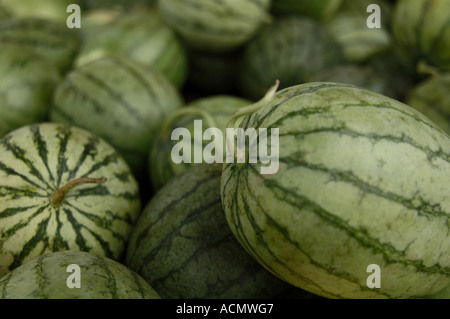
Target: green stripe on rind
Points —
{"points": [[94, 217], [267, 235]]}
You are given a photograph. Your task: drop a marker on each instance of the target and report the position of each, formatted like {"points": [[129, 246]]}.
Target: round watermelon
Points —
{"points": [[50, 39], [214, 112], [140, 35], [52, 276], [119, 99], [62, 188], [362, 180], [215, 26], [45, 9], [431, 97], [184, 248], [27, 82], [421, 31], [291, 50]]}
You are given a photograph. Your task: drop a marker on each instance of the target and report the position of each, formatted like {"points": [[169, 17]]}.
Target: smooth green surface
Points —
{"points": [[363, 179], [46, 277]]}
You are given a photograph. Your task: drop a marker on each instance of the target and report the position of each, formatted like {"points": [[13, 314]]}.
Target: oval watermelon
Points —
{"points": [[53, 194], [27, 82], [432, 99], [214, 111], [291, 50], [184, 248], [140, 35], [47, 277], [362, 180], [215, 26], [421, 29], [50, 39], [120, 100]]}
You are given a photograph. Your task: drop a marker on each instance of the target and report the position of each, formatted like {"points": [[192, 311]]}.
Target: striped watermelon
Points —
{"points": [[184, 248], [432, 98], [213, 111], [215, 26], [143, 36], [358, 42], [363, 179], [40, 213], [421, 29], [50, 39], [27, 82], [291, 50], [46, 277], [317, 9], [45, 9], [120, 100]]}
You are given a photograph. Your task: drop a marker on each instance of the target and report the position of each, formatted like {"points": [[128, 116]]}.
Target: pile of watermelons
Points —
{"points": [[120, 176]]}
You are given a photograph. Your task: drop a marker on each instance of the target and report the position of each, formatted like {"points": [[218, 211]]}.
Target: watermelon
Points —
{"points": [[443, 294], [140, 35], [62, 188], [184, 248], [358, 42], [213, 111], [421, 30], [4, 14], [362, 180], [47, 277], [46, 9], [291, 50], [317, 9], [118, 99], [50, 39], [432, 99], [27, 82], [215, 26]]}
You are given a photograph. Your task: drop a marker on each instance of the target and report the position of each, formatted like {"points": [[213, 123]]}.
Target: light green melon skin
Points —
{"points": [[47, 9], [213, 26], [48, 38], [46, 277], [98, 221], [358, 42], [357, 185], [219, 107], [123, 101], [158, 46], [421, 29], [26, 88], [432, 98]]}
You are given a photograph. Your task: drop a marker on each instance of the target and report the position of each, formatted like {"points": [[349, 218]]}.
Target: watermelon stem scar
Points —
{"points": [[59, 195], [249, 110]]}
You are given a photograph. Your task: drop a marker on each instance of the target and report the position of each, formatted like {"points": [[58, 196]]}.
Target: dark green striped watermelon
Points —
{"points": [[421, 29], [46, 277], [119, 99], [317, 9], [184, 248], [291, 50], [45, 9], [215, 26], [50, 39], [143, 36], [213, 111], [432, 98], [27, 82], [362, 180], [40, 213]]}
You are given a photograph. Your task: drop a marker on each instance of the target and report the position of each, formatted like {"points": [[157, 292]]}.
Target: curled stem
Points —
{"points": [[59, 195]]}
